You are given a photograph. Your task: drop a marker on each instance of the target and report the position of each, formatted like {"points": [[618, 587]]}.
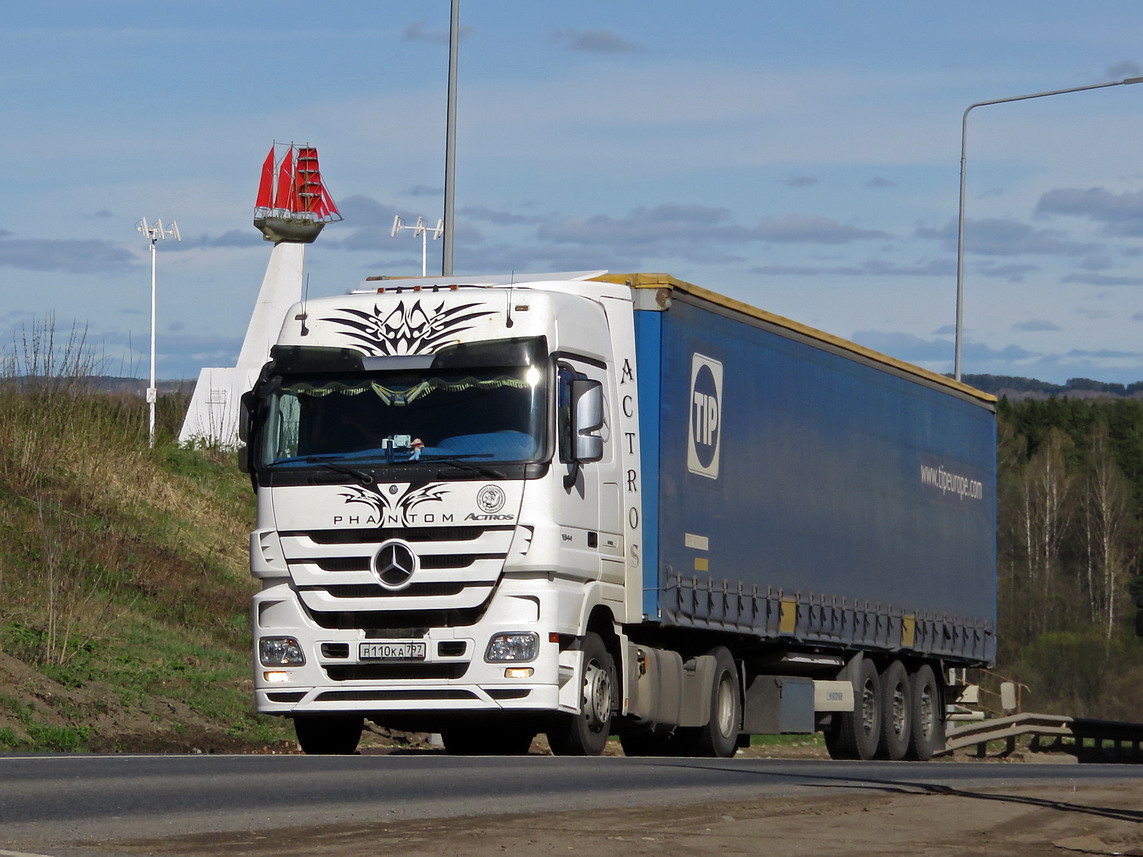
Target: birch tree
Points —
{"points": [[1107, 527]]}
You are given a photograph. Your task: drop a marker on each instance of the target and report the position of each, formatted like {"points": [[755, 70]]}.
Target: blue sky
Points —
{"points": [[803, 157]]}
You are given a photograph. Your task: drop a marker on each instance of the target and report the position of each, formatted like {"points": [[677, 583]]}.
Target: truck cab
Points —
{"points": [[440, 539]]}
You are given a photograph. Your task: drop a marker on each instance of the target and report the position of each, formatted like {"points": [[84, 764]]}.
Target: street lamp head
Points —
{"points": [[960, 215]]}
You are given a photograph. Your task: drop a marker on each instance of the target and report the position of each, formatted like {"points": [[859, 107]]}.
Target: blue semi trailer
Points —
{"points": [[599, 504]]}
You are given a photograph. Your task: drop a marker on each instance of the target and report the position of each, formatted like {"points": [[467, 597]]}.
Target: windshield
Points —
{"points": [[482, 402]]}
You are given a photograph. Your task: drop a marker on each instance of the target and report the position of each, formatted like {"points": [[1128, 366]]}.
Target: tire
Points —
{"points": [[896, 712], [585, 734], [857, 734], [480, 740], [329, 734], [719, 737], [926, 715]]}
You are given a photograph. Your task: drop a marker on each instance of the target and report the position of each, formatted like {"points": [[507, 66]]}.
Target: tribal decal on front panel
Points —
{"points": [[406, 330], [390, 507]]}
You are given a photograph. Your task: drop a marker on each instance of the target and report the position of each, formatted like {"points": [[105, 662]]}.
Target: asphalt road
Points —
{"points": [[50, 803]]}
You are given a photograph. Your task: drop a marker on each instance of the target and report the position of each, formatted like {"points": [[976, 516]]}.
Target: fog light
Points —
{"points": [[519, 672], [519, 646], [280, 651], [276, 677]]}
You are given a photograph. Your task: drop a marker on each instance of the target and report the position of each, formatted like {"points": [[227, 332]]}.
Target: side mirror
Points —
{"points": [[587, 410], [245, 406]]}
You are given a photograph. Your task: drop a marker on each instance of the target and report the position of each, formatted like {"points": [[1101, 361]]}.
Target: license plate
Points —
{"points": [[393, 650]]}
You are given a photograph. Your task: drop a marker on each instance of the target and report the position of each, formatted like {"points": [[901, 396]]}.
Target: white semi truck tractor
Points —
{"points": [[588, 505]]}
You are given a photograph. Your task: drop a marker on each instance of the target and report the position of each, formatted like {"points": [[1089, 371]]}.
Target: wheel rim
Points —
{"points": [[869, 708], [597, 696], [900, 715], [925, 720], [724, 706]]}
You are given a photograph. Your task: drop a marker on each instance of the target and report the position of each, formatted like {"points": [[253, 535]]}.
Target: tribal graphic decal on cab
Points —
{"points": [[390, 507], [406, 330]]}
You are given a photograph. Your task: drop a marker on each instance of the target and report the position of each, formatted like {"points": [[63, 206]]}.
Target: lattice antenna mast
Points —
{"points": [[154, 234]]}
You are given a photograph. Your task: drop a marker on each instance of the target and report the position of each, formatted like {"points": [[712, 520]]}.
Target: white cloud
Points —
{"points": [[594, 42], [811, 229], [1121, 214], [1000, 237], [67, 255], [1036, 325]]}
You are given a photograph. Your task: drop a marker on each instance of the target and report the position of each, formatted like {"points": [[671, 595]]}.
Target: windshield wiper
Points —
{"points": [[360, 475], [457, 462]]}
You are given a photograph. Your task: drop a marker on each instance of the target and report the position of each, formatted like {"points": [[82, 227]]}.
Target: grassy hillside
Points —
{"points": [[123, 581]]}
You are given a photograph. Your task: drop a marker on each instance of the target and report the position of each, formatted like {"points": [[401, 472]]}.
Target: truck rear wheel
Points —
{"points": [[329, 734], [927, 715], [719, 737], [585, 734], [896, 712], [856, 734]]}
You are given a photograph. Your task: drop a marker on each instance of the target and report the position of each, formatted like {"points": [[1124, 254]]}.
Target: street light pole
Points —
{"points": [[960, 215], [450, 142], [154, 233]]}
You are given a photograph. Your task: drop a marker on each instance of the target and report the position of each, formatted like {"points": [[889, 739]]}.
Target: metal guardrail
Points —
{"points": [[1090, 740]]}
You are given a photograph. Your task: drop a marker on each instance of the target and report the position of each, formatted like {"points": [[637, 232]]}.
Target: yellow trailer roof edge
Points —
{"points": [[666, 281]]}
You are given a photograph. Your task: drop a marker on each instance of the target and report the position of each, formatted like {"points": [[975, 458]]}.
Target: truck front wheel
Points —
{"points": [[329, 734], [585, 734]]}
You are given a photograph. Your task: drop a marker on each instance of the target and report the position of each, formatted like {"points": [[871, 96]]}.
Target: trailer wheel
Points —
{"points": [[329, 734], [585, 734], [896, 712], [856, 734], [927, 715], [719, 737]]}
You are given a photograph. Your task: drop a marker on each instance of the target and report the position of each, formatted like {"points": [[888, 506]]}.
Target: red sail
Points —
{"points": [[311, 193], [266, 185], [326, 207], [287, 196], [307, 180]]}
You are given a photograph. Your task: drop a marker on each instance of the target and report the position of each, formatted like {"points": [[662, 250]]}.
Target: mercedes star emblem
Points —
{"points": [[394, 565]]}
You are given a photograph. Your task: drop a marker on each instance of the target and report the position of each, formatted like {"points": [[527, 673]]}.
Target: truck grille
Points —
{"points": [[373, 590], [411, 534], [457, 569], [384, 672]]}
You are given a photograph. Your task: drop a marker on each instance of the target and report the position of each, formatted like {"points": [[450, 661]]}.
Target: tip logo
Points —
{"points": [[704, 429]]}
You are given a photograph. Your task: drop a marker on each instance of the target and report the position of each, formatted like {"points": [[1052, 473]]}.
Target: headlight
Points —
{"points": [[512, 647], [280, 651]]}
